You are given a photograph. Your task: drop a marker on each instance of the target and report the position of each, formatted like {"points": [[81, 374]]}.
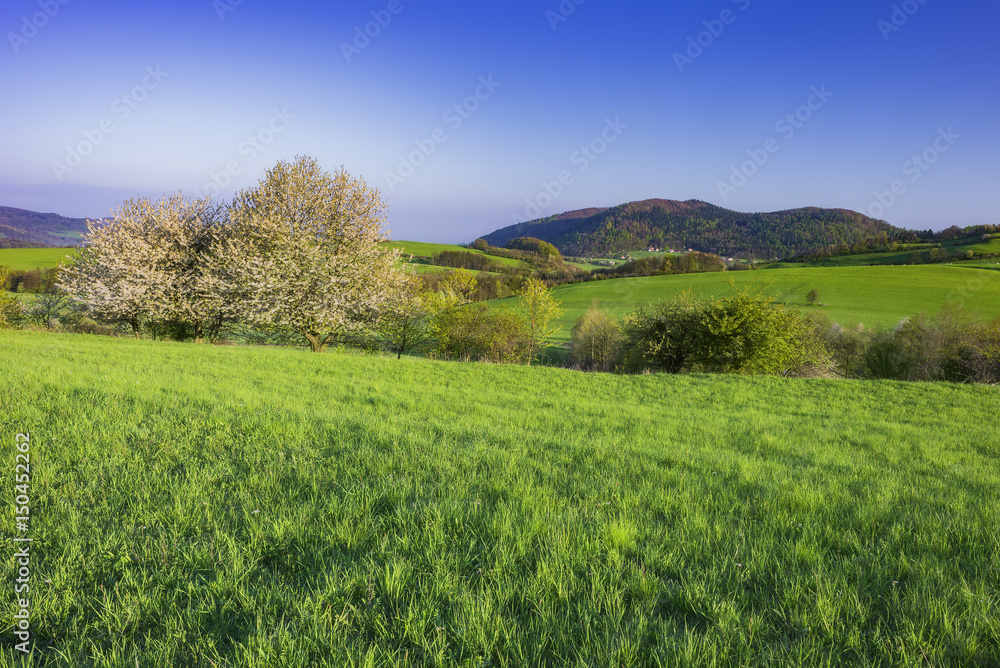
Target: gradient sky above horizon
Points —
{"points": [[230, 70]]}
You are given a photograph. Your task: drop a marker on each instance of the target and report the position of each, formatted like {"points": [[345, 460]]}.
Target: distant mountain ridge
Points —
{"points": [[23, 228], [663, 223]]}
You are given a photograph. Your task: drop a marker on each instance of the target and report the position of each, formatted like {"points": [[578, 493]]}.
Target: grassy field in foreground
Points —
{"points": [[32, 258], [214, 506], [869, 295]]}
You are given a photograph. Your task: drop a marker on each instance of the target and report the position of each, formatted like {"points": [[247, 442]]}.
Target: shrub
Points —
{"points": [[11, 313], [33, 281], [953, 345], [596, 340], [664, 337], [846, 346], [11, 310], [47, 308], [476, 332], [886, 357], [746, 333]]}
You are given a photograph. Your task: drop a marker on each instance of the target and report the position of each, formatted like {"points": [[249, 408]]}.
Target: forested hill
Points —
{"points": [[20, 227], [703, 227]]}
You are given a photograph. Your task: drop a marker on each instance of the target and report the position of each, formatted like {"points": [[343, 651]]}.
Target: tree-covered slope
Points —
{"points": [[704, 227], [18, 226]]}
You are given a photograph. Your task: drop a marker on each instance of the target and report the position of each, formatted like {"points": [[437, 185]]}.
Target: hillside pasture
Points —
{"points": [[899, 257], [34, 258], [423, 249], [227, 506], [850, 295]]}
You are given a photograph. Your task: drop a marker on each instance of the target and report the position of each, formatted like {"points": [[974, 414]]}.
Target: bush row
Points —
{"points": [[749, 333]]}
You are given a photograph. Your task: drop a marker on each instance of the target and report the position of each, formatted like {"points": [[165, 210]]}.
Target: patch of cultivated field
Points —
{"points": [[420, 248], [869, 295], [198, 505], [32, 258], [897, 257]]}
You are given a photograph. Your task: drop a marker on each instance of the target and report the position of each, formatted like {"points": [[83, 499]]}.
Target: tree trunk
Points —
{"points": [[135, 327], [401, 347], [214, 328], [317, 342]]}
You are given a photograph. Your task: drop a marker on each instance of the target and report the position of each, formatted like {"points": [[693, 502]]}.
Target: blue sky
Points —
{"points": [[886, 108]]}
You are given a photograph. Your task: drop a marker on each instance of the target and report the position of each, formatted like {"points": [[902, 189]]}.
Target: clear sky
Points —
{"points": [[886, 108]]}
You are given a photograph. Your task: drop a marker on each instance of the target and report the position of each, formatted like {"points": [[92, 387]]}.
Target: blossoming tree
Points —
{"points": [[305, 250]]}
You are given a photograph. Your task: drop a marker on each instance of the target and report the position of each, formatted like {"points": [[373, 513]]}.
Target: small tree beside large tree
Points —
{"points": [[150, 262], [119, 273]]}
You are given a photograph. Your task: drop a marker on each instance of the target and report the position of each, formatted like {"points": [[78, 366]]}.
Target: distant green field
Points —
{"points": [[644, 253], [32, 258], [590, 266], [426, 249], [895, 258], [587, 266], [869, 295], [859, 260], [254, 507], [989, 263], [437, 269], [991, 245], [420, 248]]}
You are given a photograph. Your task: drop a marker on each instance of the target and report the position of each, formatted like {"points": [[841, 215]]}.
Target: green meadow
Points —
{"points": [[898, 257], [229, 506], [33, 258], [426, 249], [420, 248], [879, 296]]}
